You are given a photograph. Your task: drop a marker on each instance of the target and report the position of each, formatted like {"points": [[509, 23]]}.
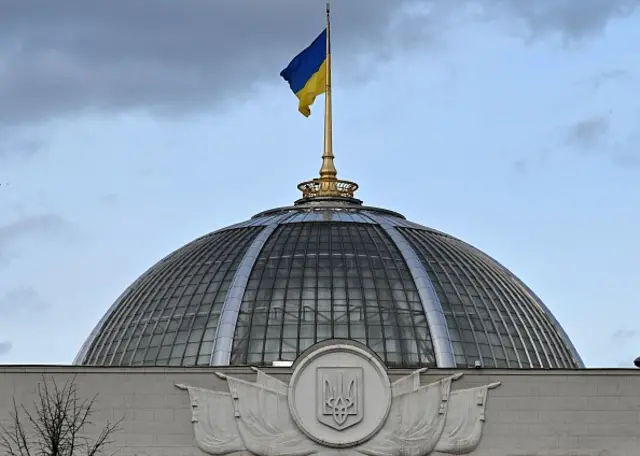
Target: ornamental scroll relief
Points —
{"points": [[339, 400]]}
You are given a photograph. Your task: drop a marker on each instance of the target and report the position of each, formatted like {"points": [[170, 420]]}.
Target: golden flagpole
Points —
{"points": [[328, 185], [328, 171]]}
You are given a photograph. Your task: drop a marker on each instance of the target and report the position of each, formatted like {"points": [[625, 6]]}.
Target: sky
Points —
{"points": [[128, 129]]}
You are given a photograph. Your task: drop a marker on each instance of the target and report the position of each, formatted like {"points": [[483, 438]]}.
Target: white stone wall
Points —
{"points": [[541, 413]]}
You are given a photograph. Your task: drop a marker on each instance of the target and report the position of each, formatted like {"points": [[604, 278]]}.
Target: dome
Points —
{"points": [[267, 289]]}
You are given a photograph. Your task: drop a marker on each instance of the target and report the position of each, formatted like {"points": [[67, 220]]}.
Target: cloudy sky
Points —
{"points": [[129, 128]]}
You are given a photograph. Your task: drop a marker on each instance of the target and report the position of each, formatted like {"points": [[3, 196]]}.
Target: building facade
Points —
{"points": [[531, 413], [330, 327]]}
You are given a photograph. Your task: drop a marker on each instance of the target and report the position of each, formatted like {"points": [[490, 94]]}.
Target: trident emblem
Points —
{"points": [[339, 403], [340, 396]]}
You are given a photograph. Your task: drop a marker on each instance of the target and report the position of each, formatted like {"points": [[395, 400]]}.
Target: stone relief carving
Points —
{"points": [[339, 395], [339, 399]]}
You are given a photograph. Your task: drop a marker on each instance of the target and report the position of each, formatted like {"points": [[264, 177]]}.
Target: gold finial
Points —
{"points": [[328, 185]]}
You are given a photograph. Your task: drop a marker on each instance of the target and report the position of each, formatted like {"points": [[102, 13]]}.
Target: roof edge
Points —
{"points": [[331, 204]]}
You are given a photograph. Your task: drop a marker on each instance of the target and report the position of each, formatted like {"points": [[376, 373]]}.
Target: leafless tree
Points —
{"points": [[56, 425]]}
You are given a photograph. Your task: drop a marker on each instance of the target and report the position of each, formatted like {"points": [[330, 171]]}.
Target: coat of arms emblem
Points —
{"points": [[356, 408], [340, 396]]}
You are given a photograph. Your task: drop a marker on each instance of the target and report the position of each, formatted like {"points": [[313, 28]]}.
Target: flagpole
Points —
{"points": [[328, 185], [328, 171]]}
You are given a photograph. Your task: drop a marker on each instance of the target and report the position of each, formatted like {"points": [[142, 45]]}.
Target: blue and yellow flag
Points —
{"points": [[306, 74]]}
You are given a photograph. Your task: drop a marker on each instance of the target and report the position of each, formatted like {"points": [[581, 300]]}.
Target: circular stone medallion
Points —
{"points": [[339, 395]]}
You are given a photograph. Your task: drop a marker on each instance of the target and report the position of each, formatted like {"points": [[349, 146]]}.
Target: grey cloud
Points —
{"points": [[588, 133], [573, 19], [5, 347], [531, 163], [169, 56], [30, 225], [13, 234], [623, 334], [592, 136], [627, 160], [20, 301], [109, 200], [15, 145], [67, 57], [589, 137], [608, 76]]}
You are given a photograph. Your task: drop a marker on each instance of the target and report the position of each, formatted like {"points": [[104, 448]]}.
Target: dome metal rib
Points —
{"points": [[443, 349], [223, 342]]}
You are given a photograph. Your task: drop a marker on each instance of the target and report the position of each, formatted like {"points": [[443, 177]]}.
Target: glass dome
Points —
{"points": [[267, 289]]}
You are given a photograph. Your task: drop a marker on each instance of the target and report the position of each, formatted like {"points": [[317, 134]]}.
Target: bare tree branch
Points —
{"points": [[57, 425], [14, 440]]}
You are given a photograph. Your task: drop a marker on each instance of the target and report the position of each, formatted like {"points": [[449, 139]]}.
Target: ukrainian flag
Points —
{"points": [[306, 74]]}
